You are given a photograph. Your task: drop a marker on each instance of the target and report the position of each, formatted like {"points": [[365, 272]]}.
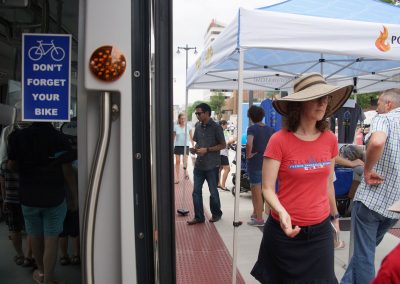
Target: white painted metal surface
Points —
{"points": [[103, 23]]}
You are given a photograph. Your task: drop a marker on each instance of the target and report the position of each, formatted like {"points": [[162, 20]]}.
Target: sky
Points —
{"points": [[190, 21]]}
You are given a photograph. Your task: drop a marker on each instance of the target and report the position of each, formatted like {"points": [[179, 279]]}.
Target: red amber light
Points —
{"points": [[107, 63]]}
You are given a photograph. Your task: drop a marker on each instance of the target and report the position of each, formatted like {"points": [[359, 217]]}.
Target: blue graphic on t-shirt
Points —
{"points": [[310, 166]]}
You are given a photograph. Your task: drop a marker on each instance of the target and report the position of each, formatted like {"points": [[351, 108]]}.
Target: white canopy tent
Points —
{"points": [[280, 46], [348, 41]]}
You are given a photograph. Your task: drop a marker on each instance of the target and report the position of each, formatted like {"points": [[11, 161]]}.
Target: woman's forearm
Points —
{"points": [[272, 199], [332, 200]]}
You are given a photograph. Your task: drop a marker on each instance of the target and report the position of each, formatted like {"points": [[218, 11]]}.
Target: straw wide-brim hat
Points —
{"points": [[395, 207], [313, 86]]}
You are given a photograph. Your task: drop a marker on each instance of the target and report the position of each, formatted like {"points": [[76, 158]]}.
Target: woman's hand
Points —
{"points": [[286, 225], [201, 151], [335, 223]]}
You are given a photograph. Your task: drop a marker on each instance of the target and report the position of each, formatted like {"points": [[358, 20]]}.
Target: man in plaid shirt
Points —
{"points": [[380, 188]]}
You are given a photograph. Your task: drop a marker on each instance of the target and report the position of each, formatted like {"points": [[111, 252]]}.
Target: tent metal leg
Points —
{"points": [[236, 222]]}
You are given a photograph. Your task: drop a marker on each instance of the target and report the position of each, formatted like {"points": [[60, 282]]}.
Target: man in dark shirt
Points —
{"points": [[210, 139], [41, 156]]}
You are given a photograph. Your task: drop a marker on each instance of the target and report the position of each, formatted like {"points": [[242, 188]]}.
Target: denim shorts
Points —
{"points": [[255, 177], [44, 221]]}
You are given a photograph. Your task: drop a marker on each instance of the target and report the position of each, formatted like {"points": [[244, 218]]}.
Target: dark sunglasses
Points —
{"points": [[325, 99], [198, 113]]}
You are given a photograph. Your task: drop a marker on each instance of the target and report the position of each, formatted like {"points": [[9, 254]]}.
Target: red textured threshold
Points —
{"points": [[201, 255]]}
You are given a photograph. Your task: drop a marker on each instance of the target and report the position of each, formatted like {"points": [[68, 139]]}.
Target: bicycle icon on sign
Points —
{"points": [[36, 53]]}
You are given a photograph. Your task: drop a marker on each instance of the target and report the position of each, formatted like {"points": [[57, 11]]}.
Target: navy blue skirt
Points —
{"points": [[306, 258]]}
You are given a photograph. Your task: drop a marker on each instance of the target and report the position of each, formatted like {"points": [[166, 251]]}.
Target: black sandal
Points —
{"points": [[28, 262], [223, 188], [75, 260], [65, 260], [19, 259]]}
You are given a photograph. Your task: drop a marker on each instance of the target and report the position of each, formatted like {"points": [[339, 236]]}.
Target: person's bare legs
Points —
{"points": [[219, 177], [63, 246], [37, 249], [177, 167], [77, 246], [28, 246], [76, 249], [186, 172], [258, 203], [50, 258], [225, 171], [28, 261], [16, 239]]}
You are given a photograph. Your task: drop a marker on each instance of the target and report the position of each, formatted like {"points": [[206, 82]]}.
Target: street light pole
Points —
{"points": [[186, 48]]}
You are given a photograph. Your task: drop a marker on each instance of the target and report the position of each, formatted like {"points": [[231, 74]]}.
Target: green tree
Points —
{"points": [[191, 109], [217, 102], [364, 100]]}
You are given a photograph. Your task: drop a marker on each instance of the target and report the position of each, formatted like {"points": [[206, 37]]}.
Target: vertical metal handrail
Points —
{"points": [[92, 196]]}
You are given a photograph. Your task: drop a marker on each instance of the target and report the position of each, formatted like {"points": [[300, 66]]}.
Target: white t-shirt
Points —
{"points": [[225, 152], [180, 135]]}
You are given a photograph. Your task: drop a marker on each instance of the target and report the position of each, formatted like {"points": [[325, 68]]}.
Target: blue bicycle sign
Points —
{"points": [[36, 53], [46, 77]]}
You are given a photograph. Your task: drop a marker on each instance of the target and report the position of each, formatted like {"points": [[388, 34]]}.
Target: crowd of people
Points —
{"points": [[292, 173], [39, 193]]}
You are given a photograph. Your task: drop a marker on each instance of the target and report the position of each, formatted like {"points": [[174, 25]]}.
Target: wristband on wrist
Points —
{"points": [[208, 149], [334, 217]]}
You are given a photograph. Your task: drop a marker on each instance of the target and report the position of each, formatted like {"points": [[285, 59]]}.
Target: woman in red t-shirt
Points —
{"points": [[297, 245]]}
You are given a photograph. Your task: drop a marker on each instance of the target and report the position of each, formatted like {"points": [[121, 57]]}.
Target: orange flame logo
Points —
{"points": [[380, 41]]}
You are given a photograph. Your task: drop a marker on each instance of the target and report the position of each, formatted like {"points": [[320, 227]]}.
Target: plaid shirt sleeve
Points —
{"points": [[378, 123]]}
